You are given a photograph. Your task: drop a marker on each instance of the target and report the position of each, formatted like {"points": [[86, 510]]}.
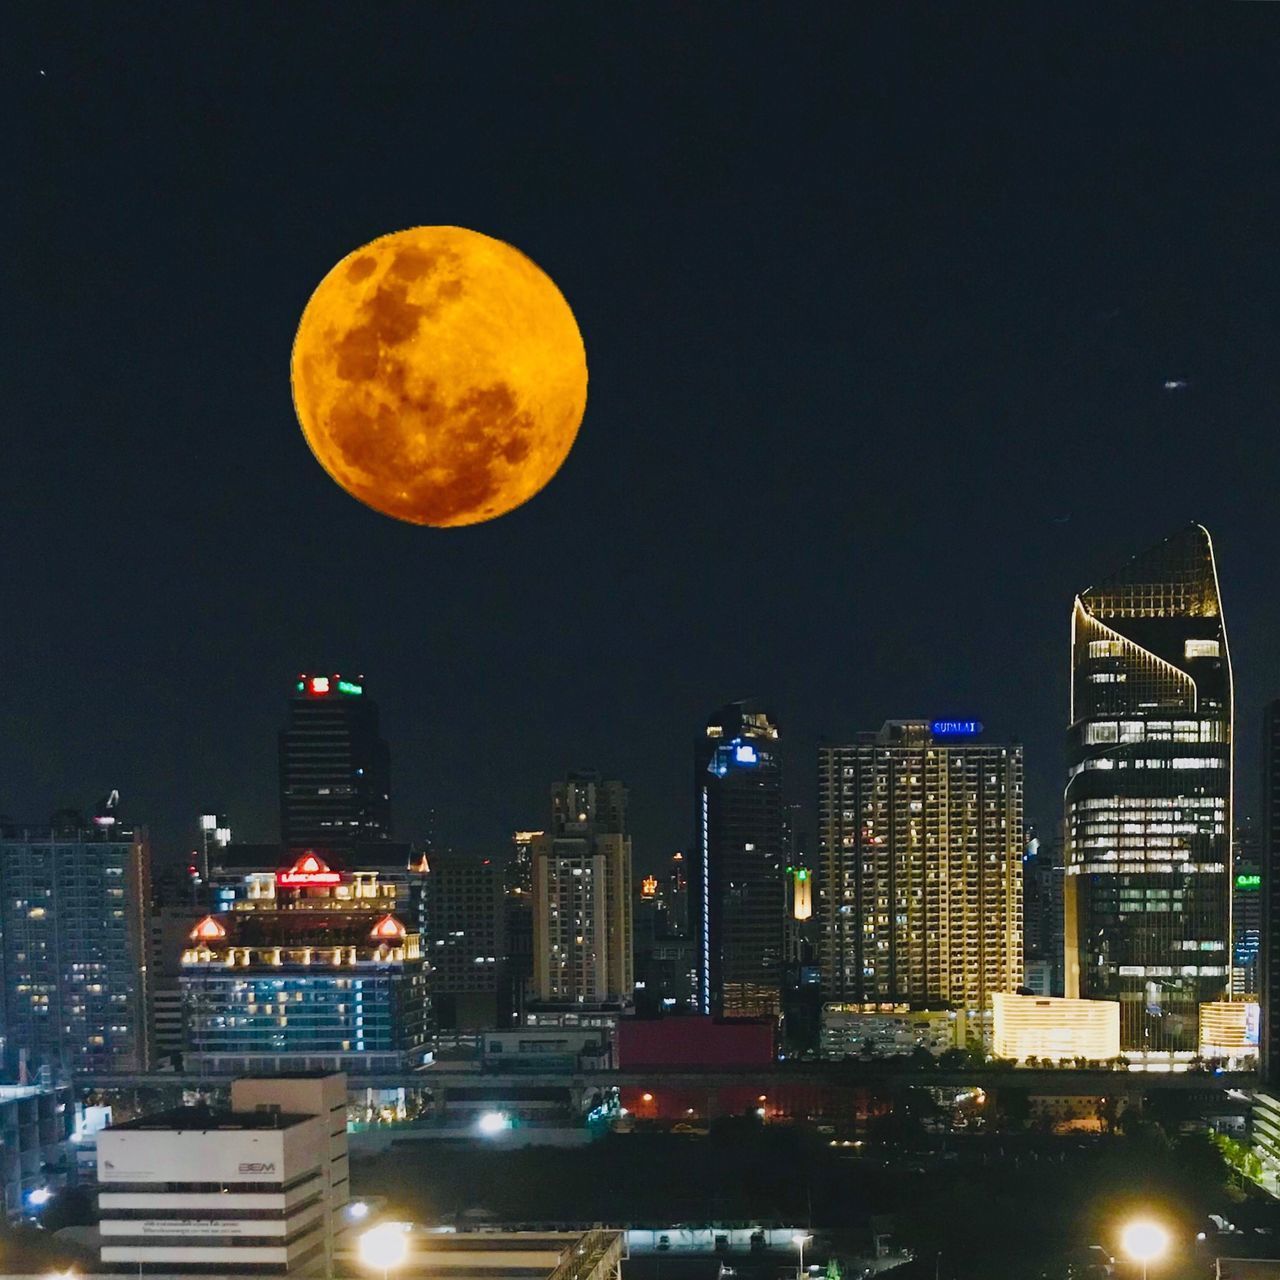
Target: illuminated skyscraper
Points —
{"points": [[920, 841], [1148, 798], [737, 884], [335, 769], [582, 948]]}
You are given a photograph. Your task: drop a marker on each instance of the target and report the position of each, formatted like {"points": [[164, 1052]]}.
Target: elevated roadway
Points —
{"points": [[877, 1079]]}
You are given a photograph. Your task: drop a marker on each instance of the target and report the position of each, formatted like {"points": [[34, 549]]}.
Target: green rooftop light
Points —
{"points": [[345, 686]]}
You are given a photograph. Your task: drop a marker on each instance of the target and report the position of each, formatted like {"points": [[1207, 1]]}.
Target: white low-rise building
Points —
{"points": [[252, 1189]]}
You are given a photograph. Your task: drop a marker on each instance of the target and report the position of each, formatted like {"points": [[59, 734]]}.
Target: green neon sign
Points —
{"points": [[1248, 882], [345, 686]]}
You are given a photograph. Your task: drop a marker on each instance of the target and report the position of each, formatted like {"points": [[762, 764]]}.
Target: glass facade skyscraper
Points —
{"points": [[1148, 796], [335, 768], [737, 886]]}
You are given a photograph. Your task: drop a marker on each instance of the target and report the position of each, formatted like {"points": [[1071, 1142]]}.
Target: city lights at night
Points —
{"points": [[641, 643]]}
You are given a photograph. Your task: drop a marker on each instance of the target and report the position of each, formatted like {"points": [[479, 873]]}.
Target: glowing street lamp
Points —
{"points": [[492, 1123], [800, 1241], [384, 1247], [1144, 1242]]}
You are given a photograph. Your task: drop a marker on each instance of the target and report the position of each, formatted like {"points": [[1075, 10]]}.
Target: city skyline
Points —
{"points": [[803, 794], [919, 303]]}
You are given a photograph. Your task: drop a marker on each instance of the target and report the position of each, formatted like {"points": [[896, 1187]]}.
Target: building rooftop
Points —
{"points": [[202, 1120]]}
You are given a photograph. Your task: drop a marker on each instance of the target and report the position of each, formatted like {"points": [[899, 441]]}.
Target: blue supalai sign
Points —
{"points": [[956, 728]]}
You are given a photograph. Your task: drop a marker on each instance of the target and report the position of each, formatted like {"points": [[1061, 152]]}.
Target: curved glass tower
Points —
{"points": [[1148, 798]]}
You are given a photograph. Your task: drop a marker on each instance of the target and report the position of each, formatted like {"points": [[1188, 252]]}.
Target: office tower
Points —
{"points": [[1246, 912], [1148, 798], [466, 939], [921, 853], [1270, 957], [582, 896], [1042, 937], [74, 898], [335, 769], [738, 894], [310, 969]]}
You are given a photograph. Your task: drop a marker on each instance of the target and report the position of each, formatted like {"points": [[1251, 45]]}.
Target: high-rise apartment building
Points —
{"points": [[1269, 975], [74, 898], [582, 896], [1148, 797], [920, 842], [335, 768], [737, 881]]}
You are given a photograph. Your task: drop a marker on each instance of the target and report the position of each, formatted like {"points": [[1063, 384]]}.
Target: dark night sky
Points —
{"points": [[873, 300]]}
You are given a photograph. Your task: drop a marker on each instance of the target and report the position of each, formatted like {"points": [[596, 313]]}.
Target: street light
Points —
{"points": [[492, 1123], [384, 1246], [1144, 1242], [800, 1242]]}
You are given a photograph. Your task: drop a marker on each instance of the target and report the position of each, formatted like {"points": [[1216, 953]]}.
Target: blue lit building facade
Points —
{"points": [[737, 881], [312, 969], [1149, 796]]}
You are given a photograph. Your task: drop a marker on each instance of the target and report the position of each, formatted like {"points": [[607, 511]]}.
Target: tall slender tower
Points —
{"points": [[738, 896], [335, 769], [1148, 797]]}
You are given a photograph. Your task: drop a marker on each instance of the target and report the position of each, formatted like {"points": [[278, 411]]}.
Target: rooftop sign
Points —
{"points": [[308, 870], [956, 728]]}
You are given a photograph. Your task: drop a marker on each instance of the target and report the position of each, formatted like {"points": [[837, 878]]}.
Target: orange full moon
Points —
{"points": [[439, 376]]}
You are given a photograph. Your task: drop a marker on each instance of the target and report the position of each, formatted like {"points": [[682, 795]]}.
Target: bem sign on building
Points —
{"points": [[229, 1155]]}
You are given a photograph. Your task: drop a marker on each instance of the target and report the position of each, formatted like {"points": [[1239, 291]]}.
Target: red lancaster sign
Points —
{"points": [[308, 870]]}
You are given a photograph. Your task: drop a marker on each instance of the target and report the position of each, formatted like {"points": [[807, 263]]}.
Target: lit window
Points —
{"points": [[1202, 649]]}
